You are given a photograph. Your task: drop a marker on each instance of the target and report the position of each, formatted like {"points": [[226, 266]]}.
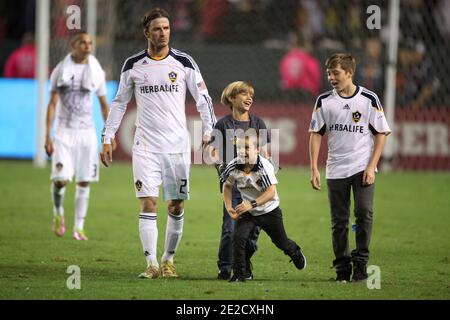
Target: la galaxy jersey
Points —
{"points": [[351, 123], [253, 184], [160, 89]]}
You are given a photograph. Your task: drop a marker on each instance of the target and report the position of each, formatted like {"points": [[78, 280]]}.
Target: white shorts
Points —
{"points": [[150, 170], [75, 153]]}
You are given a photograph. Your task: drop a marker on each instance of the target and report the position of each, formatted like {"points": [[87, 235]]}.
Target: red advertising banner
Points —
{"points": [[421, 137]]}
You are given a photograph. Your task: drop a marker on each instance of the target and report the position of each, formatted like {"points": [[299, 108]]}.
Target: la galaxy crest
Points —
{"points": [[259, 183], [138, 185], [356, 116], [173, 76], [59, 166]]}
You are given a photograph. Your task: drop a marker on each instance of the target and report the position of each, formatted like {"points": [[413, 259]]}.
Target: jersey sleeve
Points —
{"points": [[227, 174], [318, 124], [199, 92], [267, 173], [377, 119], [54, 78], [101, 91], [118, 106]]}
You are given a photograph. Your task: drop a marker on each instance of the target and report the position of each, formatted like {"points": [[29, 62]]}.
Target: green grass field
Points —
{"points": [[410, 241]]}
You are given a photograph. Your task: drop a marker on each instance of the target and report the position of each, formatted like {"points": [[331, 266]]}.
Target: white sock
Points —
{"points": [[81, 205], [174, 231], [148, 232], [58, 199]]}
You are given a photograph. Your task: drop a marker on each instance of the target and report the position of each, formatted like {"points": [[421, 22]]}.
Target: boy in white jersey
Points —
{"points": [[159, 78], [74, 148], [357, 130], [255, 179]]}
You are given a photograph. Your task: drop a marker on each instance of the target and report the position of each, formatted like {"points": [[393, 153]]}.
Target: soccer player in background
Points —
{"points": [[254, 177], [159, 77], [357, 130], [74, 149], [238, 96]]}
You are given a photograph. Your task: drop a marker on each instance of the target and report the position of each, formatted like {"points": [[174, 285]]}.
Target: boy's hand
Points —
{"points": [[369, 176], [315, 179], [244, 206], [233, 214]]}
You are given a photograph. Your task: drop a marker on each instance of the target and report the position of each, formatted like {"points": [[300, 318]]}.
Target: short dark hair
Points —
{"points": [[152, 15], [347, 62], [75, 36]]}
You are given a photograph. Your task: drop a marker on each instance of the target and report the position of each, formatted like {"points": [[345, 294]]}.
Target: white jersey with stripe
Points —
{"points": [[253, 184], [160, 89], [351, 123]]}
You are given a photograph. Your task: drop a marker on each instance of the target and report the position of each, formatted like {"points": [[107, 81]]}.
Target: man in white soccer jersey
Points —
{"points": [[74, 149], [255, 179], [159, 77], [357, 130]]}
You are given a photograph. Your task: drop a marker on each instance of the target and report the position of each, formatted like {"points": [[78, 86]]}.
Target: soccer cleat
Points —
{"points": [[168, 270], [343, 277], [79, 234], [224, 275], [152, 272], [237, 278], [58, 227], [299, 259], [248, 275], [359, 272]]}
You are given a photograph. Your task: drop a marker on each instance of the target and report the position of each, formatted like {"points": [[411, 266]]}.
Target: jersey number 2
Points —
{"points": [[183, 185]]}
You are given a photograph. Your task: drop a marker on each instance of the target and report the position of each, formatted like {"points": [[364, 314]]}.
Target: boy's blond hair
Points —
{"points": [[233, 89], [346, 61]]}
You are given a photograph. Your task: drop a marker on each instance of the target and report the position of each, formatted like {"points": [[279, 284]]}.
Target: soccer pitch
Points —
{"points": [[410, 242]]}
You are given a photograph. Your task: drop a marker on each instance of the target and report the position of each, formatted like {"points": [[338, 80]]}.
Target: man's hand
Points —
{"points": [[233, 214], [315, 179], [205, 141], [48, 146], [106, 154], [369, 176], [114, 144], [244, 206]]}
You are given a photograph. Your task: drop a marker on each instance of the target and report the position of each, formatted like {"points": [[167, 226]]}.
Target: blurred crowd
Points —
{"points": [[305, 31]]}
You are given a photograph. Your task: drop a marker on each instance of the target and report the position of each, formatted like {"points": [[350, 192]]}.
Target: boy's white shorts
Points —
{"points": [[75, 153], [150, 170]]}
